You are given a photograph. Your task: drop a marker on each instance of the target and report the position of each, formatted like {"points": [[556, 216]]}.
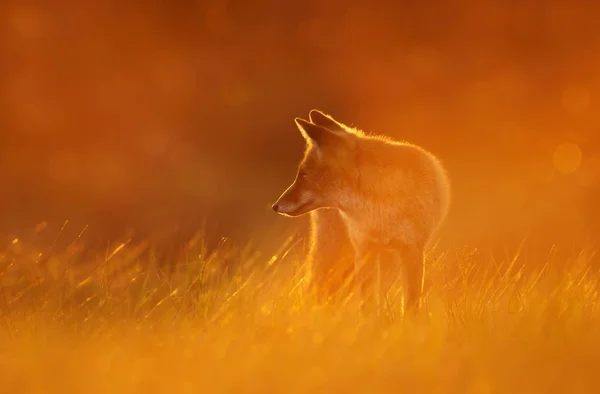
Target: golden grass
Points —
{"points": [[237, 321]]}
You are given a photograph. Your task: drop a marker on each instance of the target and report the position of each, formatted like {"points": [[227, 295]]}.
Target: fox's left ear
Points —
{"points": [[322, 136], [319, 118]]}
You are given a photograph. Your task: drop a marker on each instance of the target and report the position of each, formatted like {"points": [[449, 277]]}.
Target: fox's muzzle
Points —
{"points": [[295, 201]]}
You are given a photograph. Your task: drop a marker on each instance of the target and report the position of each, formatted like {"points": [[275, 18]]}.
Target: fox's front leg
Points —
{"points": [[367, 274], [330, 257]]}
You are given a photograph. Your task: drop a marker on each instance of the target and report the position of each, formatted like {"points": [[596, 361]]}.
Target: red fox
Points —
{"points": [[375, 204]]}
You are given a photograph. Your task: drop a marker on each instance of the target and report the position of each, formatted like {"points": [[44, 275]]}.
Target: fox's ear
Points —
{"points": [[319, 118], [322, 136], [311, 131]]}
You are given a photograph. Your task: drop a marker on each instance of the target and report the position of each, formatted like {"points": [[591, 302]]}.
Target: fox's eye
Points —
{"points": [[302, 175]]}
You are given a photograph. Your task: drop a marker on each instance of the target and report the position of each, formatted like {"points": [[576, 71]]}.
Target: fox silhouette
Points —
{"points": [[375, 203]]}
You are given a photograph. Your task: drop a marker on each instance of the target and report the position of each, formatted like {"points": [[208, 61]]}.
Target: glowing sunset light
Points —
{"points": [[567, 158], [179, 216]]}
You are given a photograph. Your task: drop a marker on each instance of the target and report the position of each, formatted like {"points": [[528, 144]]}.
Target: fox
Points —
{"points": [[375, 204]]}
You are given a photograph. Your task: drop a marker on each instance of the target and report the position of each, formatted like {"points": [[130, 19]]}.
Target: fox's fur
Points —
{"points": [[374, 202]]}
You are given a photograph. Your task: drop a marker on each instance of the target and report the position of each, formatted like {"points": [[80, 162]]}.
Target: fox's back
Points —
{"points": [[404, 188]]}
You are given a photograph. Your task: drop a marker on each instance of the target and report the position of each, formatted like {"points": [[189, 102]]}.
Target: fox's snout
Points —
{"points": [[295, 201], [286, 209], [287, 205]]}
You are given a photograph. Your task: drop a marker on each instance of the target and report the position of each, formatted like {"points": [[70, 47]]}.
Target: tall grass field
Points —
{"points": [[235, 319]]}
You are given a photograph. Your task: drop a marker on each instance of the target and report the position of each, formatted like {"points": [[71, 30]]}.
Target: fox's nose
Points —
{"points": [[275, 207]]}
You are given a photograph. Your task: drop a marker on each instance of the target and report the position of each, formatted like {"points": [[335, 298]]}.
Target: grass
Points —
{"points": [[235, 320]]}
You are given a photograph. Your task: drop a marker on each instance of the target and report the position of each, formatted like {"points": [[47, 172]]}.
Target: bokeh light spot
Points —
{"points": [[567, 158], [27, 21]]}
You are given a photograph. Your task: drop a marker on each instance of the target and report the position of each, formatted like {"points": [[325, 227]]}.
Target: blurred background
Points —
{"points": [[161, 118]]}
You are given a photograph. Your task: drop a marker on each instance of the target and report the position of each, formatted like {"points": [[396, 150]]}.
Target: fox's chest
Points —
{"points": [[365, 228]]}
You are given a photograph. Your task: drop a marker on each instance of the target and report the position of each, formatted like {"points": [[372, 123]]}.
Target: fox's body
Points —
{"points": [[375, 204]]}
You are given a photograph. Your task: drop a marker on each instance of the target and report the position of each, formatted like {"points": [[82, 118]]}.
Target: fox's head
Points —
{"points": [[327, 170]]}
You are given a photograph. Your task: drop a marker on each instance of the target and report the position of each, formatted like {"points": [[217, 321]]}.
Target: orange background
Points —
{"points": [[161, 116]]}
